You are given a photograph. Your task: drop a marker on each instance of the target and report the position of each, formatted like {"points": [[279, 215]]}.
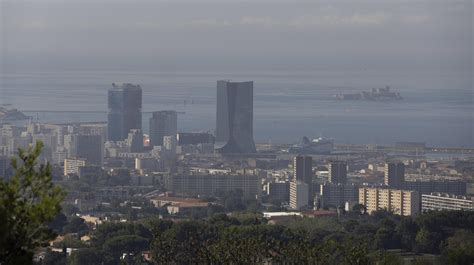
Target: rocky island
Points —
{"points": [[376, 94]]}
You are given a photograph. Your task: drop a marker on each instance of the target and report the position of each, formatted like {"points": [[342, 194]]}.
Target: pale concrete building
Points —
{"points": [[211, 184], [443, 201], [401, 202], [299, 193], [71, 166]]}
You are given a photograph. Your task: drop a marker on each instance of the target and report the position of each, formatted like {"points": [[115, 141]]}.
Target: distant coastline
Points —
{"points": [[11, 115]]}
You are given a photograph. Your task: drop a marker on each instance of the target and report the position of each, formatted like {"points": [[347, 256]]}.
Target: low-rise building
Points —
{"points": [[177, 205], [336, 195], [71, 166], [279, 191], [401, 202], [211, 184], [427, 187], [443, 201], [89, 171]]}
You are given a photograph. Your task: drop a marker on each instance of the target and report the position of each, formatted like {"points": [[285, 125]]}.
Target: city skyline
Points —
{"points": [[244, 132]]}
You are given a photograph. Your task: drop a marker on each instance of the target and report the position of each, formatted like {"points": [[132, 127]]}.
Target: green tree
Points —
{"points": [[76, 225], [54, 258], [58, 223], [28, 202], [89, 256], [423, 261], [385, 238], [130, 244], [460, 248], [69, 209], [407, 229], [70, 241], [359, 208], [427, 241], [184, 243], [389, 258]]}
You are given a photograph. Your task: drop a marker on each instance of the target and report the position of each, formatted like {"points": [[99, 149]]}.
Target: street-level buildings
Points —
{"points": [[187, 138], [401, 202]]}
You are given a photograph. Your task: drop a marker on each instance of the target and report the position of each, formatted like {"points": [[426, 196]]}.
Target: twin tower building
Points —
{"points": [[234, 116]]}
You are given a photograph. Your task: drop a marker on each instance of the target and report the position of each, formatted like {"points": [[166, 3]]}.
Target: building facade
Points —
{"points": [[195, 138], [4, 164], [125, 106], [401, 202], [279, 191], [207, 184], [135, 141], [427, 187], [299, 195], [71, 166], [303, 172], [163, 123], [337, 194], [234, 117], [88, 147], [443, 201], [394, 176], [338, 172]]}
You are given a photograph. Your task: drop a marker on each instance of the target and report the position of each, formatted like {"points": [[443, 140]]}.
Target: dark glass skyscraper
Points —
{"points": [[88, 147], [163, 123], [394, 174], [125, 110], [234, 117], [337, 172]]}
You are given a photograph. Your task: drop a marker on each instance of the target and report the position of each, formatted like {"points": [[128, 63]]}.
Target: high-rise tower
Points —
{"points": [[337, 172], [302, 173], [163, 123], [89, 147], [125, 106], [394, 174], [234, 117]]}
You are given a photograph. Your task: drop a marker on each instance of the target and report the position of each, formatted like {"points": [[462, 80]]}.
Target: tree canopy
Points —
{"points": [[28, 202]]}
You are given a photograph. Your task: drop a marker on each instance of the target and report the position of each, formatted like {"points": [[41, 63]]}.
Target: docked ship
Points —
{"points": [[376, 94], [11, 115], [313, 147]]}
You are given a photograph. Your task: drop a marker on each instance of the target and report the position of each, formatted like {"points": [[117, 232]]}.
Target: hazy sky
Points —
{"points": [[113, 34]]}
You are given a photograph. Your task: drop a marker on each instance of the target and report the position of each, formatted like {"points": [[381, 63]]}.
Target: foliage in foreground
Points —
{"points": [[28, 202], [248, 239]]}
